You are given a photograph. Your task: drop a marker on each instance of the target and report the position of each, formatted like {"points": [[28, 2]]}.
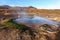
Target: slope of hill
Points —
{"points": [[50, 14], [44, 32]]}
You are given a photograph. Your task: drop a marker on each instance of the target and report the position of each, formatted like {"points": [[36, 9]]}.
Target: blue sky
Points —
{"points": [[42, 4]]}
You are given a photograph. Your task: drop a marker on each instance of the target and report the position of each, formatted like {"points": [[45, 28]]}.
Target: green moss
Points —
{"points": [[10, 23]]}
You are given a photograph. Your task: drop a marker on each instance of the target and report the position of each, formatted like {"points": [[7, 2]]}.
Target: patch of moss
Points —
{"points": [[10, 23]]}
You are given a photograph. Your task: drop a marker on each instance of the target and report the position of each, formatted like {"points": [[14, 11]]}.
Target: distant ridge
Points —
{"points": [[49, 13]]}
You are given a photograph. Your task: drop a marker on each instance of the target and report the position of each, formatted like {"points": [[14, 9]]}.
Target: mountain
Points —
{"points": [[4, 7]]}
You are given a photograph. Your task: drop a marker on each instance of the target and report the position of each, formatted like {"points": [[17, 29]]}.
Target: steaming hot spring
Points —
{"points": [[35, 21]]}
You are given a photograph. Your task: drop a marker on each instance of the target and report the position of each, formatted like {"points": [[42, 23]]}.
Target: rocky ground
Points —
{"points": [[44, 32]]}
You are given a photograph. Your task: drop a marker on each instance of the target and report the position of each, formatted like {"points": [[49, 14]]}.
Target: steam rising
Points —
{"points": [[33, 20]]}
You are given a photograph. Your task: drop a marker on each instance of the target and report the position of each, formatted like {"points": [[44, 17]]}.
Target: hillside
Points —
{"points": [[50, 14], [12, 31]]}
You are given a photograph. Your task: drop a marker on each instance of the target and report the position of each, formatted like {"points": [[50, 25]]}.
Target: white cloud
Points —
{"points": [[55, 5]]}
